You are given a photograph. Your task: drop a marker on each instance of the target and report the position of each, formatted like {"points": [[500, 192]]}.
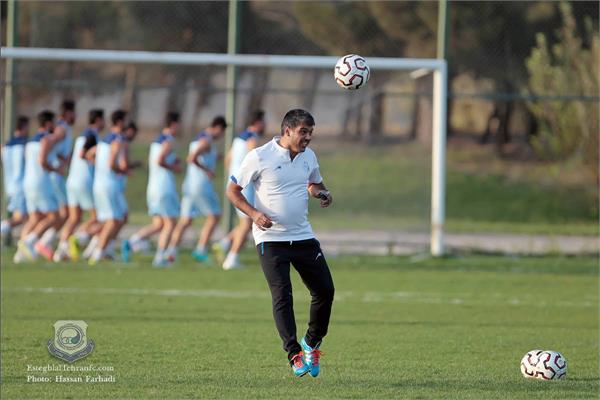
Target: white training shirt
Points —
{"points": [[281, 187]]}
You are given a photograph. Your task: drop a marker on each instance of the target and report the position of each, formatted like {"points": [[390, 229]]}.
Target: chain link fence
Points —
{"points": [[492, 95]]}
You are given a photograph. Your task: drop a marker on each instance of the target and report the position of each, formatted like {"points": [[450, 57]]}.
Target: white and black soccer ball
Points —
{"points": [[529, 363], [551, 365], [351, 72]]}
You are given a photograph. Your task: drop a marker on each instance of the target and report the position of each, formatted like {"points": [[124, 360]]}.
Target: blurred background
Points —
{"points": [[522, 108]]}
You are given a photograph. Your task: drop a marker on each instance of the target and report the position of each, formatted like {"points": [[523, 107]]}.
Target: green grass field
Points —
{"points": [[401, 328]]}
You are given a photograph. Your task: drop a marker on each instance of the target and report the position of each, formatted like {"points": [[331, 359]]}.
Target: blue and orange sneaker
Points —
{"points": [[312, 356], [298, 365]]}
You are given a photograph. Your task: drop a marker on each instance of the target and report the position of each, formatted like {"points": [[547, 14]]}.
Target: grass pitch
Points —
{"points": [[401, 328]]}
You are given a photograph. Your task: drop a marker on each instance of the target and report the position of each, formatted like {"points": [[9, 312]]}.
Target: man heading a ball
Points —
{"points": [[283, 173]]}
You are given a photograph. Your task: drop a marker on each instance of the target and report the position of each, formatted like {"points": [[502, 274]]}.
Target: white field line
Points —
{"points": [[364, 297]]}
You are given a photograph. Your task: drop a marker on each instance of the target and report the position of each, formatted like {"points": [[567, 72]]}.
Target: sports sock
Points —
{"points": [[97, 254], [48, 237], [159, 256], [225, 243], [63, 246], [134, 239], [31, 238], [201, 249], [110, 247], [83, 238], [90, 247]]}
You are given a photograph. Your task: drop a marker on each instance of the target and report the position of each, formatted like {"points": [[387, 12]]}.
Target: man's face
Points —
{"points": [[49, 127], [70, 117], [174, 128], [299, 137], [24, 130], [218, 131], [130, 134], [260, 127], [100, 123]]}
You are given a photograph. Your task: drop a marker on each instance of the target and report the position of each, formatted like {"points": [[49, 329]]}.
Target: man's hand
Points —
{"points": [[262, 221], [325, 198]]}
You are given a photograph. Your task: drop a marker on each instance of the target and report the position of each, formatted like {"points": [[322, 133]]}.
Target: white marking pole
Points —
{"points": [[438, 66], [438, 160]]}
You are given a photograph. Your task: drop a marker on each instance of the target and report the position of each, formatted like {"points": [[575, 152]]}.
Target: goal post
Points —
{"points": [[437, 66]]}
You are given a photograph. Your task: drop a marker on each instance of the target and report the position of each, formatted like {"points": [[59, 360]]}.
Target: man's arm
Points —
{"points": [[234, 194], [162, 158], [202, 147], [46, 145]]}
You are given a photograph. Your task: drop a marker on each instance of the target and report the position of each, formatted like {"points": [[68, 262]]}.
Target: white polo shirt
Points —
{"points": [[281, 187]]}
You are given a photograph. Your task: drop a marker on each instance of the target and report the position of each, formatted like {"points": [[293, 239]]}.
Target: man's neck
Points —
{"points": [[283, 143], [167, 131], [116, 129]]}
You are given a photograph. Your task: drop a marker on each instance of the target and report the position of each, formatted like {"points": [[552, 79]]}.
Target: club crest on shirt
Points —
{"points": [[306, 167]]}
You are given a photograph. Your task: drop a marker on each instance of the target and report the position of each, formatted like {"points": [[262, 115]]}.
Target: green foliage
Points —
{"points": [[571, 65], [453, 328]]}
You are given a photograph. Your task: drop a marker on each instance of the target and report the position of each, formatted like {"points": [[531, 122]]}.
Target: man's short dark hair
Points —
{"points": [[22, 122], [132, 126], [219, 121], [171, 117], [295, 118], [256, 116], [95, 114], [45, 117], [118, 116], [67, 105]]}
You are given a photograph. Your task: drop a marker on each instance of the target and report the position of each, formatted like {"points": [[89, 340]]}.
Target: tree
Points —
{"points": [[567, 127]]}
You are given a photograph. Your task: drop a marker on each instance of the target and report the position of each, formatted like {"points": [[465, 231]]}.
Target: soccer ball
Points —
{"points": [[351, 72], [551, 365], [529, 362]]}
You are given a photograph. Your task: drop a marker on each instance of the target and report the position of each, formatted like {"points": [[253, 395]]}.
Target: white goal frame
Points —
{"points": [[437, 66]]}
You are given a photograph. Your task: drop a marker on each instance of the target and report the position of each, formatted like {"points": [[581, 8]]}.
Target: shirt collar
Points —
{"points": [[280, 149]]}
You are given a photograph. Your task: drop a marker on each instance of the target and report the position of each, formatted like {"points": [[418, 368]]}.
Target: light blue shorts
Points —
{"points": [[110, 202], [41, 199], [60, 188], [201, 201], [165, 204], [80, 197], [248, 193], [16, 203]]}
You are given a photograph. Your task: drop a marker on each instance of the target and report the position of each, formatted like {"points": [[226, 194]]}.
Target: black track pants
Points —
{"points": [[308, 259]]}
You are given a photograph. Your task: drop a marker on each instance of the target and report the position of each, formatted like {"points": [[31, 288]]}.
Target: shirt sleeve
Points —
{"points": [[248, 171], [315, 173]]}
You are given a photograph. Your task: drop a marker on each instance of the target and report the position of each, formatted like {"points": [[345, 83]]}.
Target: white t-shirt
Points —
{"points": [[281, 187]]}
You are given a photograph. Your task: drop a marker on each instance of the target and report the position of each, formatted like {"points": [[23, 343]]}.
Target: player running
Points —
{"points": [[80, 194], [241, 145], [199, 196], [63, 132], [42, 204], [161, 192], [112, 167], [13, 166], [283, 173]]}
